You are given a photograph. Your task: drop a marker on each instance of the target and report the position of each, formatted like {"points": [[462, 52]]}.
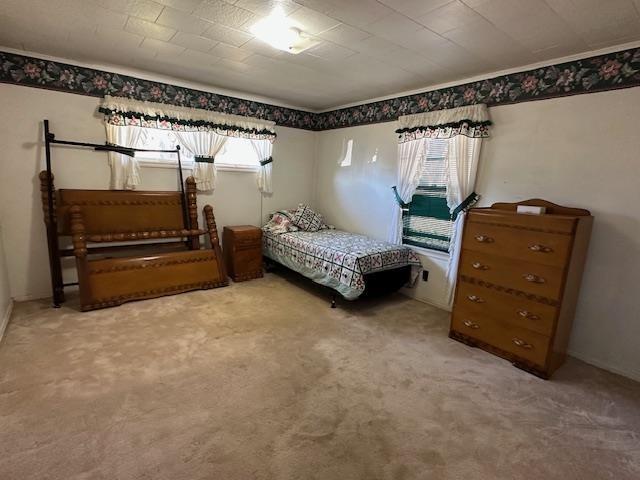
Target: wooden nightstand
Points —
{"points": [[242, 252]]}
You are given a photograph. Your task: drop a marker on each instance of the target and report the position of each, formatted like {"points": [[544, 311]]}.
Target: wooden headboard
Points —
{"points": [[122, 211]]}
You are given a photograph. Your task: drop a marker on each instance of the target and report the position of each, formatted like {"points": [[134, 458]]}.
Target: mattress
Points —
{"points": [[338, 259]]}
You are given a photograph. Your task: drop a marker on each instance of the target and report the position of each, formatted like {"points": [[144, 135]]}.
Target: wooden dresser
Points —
{"points": [[518, 282], [242, 252]]}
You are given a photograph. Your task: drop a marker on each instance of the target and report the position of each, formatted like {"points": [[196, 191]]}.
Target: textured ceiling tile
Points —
{"points": [[414, 8], [224, 13], [373, 45], [223, 50], [330, 51], [358, 12], [258, 46], [452, 15], [531, 22], [421, 40], [185, 5], [227, 35], [161, 48], [145, 9], [311, 21], [182, 21], [148, 29], [599, 22], [344, 34], [118, 38], [394, 26], [193, 42], [192, 58], [265, 7]]}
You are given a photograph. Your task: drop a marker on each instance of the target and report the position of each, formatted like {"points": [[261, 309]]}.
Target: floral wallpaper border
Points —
{"points": [[34, 72], [595, 74]]}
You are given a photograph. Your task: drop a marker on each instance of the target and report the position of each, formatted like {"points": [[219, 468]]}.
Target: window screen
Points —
{"points": [[427, 221]]}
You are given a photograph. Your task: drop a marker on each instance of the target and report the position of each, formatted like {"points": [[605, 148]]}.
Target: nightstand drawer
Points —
{"points": [[521, 342], [515, 310], [541, 280], [531, 246]]}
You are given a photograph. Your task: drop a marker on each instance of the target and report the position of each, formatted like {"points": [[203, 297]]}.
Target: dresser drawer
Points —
{"points": [[247, 243], [481, 302], [521, 342], [541, 280], [560, 224], [531, 246]]}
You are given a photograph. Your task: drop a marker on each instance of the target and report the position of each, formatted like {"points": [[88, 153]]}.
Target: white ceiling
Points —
{"points": [[368, 48]]}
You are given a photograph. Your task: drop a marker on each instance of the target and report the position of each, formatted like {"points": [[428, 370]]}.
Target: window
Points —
{"points": [[427, 222], [236, 154]]}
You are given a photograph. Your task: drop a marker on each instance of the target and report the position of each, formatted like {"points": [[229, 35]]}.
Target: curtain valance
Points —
{"points": [[120, 111], [470, 121]]}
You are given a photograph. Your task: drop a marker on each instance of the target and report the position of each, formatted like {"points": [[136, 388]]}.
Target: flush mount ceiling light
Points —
{"points": [[279, 32]]}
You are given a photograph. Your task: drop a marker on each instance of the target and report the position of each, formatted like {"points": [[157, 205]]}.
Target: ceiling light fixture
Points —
{"points": [[279, 32]]}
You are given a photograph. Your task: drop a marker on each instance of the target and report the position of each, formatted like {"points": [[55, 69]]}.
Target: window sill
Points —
{"points": [[427, 252], [189, 166]]}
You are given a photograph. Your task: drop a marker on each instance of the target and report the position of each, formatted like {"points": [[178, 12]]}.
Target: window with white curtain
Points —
{"points": [[237, 153], [426, 221]]}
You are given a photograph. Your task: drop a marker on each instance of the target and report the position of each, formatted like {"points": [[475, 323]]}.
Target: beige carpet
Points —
{"points": [[262, 380]]}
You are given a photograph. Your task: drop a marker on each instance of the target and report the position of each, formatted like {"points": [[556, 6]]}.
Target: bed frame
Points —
{"points": [[128, 245], [376, 284]]}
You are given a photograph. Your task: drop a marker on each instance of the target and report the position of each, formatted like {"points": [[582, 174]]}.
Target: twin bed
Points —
{"points": [[351, 264]]}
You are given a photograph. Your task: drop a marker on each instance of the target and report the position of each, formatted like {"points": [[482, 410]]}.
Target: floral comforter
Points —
{"points": [[338, 259]]}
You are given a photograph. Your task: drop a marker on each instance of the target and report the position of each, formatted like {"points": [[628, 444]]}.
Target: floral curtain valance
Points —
{"points": [[470, 121], [120, 111]]}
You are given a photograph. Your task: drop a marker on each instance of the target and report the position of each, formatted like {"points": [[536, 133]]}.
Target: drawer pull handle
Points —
{"points": [[484, 239], [528, 315], [479, 266], [475, 298], [470, 324], [540, 248], [522, 343], [530, 277]]}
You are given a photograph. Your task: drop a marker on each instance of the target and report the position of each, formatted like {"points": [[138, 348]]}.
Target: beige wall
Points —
{"points": [[5, 292], [580, 151], [235, 201]]}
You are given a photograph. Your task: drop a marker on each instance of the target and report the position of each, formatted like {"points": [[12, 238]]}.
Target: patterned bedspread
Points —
{"points": [[338, 259]]}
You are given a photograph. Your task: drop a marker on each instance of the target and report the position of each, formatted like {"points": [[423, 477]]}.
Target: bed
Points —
{"points": [[353, 265]]}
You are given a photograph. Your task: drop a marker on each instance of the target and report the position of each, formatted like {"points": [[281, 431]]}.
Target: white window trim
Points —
{"points": [[428, 252], [188, 165]]}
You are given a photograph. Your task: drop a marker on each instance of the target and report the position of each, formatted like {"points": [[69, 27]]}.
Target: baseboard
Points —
{"points": [[28, 298], [439, 305], [5, 319], [633, 374]]}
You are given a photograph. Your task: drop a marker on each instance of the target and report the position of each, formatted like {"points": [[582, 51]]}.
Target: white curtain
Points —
{"points": [[203, 144], [462, 168], [264, 149], [410, 155], [125, 172]]}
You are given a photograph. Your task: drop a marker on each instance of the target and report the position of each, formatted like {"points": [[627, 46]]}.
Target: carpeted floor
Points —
{"points": [[261, 380]]}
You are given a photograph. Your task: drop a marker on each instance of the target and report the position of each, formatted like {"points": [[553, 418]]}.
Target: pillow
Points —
{"points": [[307, 219], [280, 222]]}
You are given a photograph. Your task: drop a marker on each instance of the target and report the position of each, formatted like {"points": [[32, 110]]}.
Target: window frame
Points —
{"points": [[188, 164], [424, 248]]}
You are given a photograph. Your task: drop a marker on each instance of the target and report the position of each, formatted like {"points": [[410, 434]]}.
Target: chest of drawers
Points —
{"points": [[242, 252], [518, 282]]}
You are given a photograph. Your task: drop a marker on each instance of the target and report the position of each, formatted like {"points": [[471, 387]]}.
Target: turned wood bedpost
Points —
{"points": [[192, 205], [79, 240], [51, 224], [214, 239]]}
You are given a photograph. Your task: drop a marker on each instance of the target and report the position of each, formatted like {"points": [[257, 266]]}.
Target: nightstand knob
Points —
{"points": [[475, 299]]}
